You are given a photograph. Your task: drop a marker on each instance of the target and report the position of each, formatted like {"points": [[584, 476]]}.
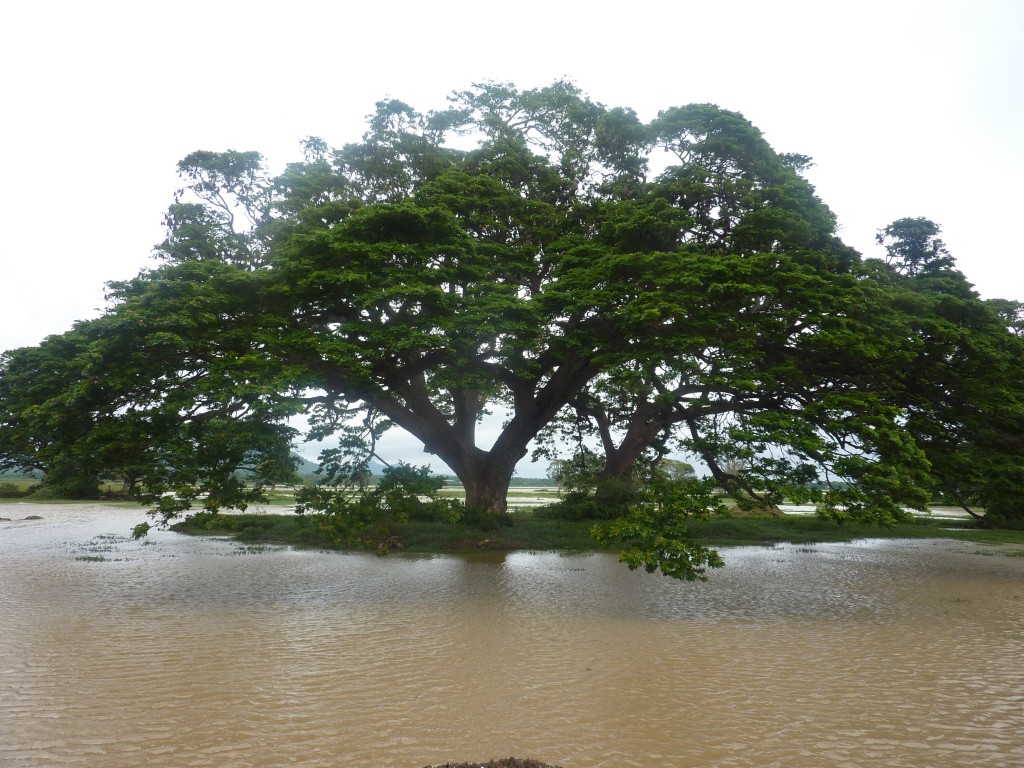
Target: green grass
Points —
{"points": [[809, 529], [525, 531]]}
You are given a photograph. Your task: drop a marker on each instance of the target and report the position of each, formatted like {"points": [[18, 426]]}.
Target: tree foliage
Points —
{"points": [[638, 287], [653, 533], [116, 399], [963, 401]]}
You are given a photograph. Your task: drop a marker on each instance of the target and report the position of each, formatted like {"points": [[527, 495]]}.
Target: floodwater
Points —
{"points": [[202, 652]]}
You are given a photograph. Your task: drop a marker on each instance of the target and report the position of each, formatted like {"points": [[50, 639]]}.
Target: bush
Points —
{"points": [[615, 496], [579, 505], [10, 490]]}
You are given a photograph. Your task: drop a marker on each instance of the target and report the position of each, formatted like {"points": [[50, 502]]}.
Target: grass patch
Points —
{"points": [[525, 531], [809, 529], [522, 532]]}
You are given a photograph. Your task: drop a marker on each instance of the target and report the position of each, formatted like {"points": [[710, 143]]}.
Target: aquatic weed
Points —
{"points": [[251, 549]]}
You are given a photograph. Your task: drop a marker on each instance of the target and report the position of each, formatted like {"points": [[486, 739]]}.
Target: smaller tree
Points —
{"points": [[960, 385], [675, 471], [577, 474], [78, 408], [913, 247]]}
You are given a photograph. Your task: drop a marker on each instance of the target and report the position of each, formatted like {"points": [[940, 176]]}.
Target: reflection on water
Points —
{"points": [[187, 652]]}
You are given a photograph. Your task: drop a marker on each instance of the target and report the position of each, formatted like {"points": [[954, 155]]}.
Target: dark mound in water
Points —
{"points": [[508, 762]]}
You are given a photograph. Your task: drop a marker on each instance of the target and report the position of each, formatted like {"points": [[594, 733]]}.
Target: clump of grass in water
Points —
{"points": [[105, 542], [251, 549]]}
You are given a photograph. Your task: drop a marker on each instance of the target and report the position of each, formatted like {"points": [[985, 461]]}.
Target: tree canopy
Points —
{"points": [[638, 287]]}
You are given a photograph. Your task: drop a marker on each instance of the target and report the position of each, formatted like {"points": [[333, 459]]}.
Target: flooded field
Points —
{"points": [[187, 652]]}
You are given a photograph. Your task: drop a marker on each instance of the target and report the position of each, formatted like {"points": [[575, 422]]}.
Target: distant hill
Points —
{"points": [[307, 471], [11, 474], [307, 468], [304, 466], [516, 482]]}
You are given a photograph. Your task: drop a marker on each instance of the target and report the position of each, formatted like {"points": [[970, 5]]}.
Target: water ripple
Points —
{"points": [[197, 652]]}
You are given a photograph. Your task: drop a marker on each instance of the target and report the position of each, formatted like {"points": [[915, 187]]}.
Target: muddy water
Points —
{"points": [[186, 652]]}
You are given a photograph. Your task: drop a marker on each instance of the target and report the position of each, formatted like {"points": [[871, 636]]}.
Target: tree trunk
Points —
{"points": [[487, 492], [485, 476], [620, 461]]}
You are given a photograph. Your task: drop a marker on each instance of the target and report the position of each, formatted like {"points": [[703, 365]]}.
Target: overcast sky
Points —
{"points": [[908, 108]]}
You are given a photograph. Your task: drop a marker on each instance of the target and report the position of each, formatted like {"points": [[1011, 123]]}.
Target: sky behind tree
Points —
{"points": [[907, 108]]}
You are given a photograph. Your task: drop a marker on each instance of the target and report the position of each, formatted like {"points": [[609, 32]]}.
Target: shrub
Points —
{"points": [[10, 490], [579, 505]]}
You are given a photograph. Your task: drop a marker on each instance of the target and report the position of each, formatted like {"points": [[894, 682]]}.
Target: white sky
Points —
{"points": [[908, 108]]}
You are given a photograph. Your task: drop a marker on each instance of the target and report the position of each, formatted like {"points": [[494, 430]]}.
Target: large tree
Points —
{"points": [[542, 255]]}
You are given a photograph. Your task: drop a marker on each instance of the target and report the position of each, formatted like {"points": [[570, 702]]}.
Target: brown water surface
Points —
{"points": [[188, 652]]}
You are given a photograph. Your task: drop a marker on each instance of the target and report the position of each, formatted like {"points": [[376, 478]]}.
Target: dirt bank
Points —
{"points": [[508, 762]]}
